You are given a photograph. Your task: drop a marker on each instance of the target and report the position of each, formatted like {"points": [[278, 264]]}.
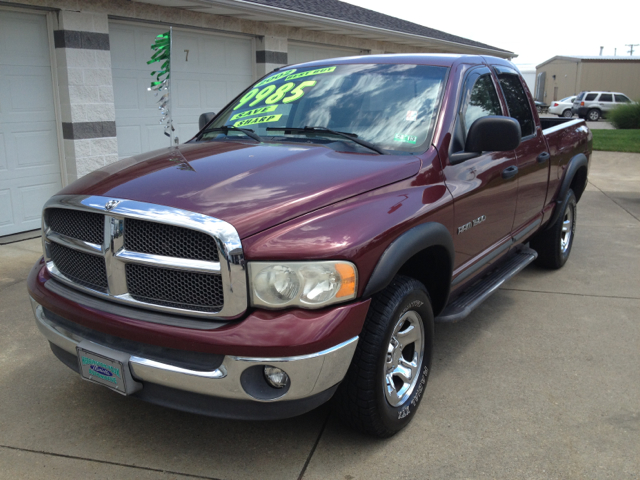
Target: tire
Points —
{"points": [[567, 113], [554, 244], [365, 399], [593, 115]]}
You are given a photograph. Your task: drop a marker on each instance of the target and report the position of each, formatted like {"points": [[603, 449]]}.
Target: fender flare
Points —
{"points": [[403, 248], [575, 164]]}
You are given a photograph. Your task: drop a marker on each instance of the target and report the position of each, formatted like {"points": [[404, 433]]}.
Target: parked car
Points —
{"points": [[592, 105], [562, 108], [302, 245], [541, 107]]}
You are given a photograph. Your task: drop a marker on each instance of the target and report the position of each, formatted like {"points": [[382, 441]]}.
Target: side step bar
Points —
{"points": [[479, 292]]}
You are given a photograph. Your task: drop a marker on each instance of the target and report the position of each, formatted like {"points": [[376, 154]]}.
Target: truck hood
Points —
{"points": [[253, 187]]}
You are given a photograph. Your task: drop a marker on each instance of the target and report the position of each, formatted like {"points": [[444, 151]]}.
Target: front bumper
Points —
{"points": [[237, 379]]}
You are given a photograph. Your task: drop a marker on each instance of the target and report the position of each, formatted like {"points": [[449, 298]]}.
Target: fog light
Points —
{"points": [[276, 377]]}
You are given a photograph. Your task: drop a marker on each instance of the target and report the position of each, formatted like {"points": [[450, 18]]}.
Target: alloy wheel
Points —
{"points": [[403, 361]]}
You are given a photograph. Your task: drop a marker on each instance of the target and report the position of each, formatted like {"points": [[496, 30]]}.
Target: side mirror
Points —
{"points": [[205, 118], [493, 134]]}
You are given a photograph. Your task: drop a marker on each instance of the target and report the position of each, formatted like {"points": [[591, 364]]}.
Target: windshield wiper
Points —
{"points": [[225, 129], [350, 136]]}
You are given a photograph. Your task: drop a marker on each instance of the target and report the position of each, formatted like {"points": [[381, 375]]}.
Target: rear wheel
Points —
{"points": [[567, 113], [593, 115], [554, 244], [388, 374]]}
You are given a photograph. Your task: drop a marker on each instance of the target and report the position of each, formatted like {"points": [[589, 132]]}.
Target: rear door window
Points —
{"points": [[517, 100], [606, 97], [622, 99], [590, 97]]}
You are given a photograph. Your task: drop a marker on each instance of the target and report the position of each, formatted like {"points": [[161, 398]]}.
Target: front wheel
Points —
{"points": [[388, 374]]}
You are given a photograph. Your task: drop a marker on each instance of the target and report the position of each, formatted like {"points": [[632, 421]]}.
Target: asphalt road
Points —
{"points": [[541, 382]]}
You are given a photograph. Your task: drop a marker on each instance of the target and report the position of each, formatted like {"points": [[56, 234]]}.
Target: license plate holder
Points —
{"points": [[102, 370]]}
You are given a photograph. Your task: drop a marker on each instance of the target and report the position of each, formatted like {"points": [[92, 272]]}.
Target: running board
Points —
{"points": [[479, 292]]}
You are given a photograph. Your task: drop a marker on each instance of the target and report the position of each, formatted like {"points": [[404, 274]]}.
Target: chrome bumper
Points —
{"points": [[309, 374]]}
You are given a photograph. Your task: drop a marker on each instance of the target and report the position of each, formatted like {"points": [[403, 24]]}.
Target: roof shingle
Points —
{"points": [[351, 13]]}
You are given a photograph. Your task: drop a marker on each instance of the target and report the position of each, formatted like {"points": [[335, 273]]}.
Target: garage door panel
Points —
{"points": [[155, 136], [36, 147], [213, 92], [235, 51], [184, 61], [33, 197], [129, 141], [29, 90], [123, 47], [213, 51], [6, 209], [187, 93], [29, 159], [127, 99], [24, 39], [3, 154], [216, 69]]}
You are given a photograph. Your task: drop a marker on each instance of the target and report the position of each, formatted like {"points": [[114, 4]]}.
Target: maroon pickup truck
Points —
{"points": [[303, 244]]}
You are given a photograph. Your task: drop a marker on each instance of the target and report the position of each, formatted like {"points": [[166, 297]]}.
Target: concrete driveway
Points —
{"points": [[542, 381]]}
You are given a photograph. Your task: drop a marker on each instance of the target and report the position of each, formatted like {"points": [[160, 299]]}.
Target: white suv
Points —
{"points": [[593, 105]]}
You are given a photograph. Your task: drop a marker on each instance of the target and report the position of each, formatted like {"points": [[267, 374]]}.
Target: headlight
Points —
{"points": [[301, 284]]}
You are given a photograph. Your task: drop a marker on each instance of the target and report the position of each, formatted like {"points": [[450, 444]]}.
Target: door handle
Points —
{"points": [[543, 157], [509, 172]]}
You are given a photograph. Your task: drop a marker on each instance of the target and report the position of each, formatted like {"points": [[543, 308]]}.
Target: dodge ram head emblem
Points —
{"points": [[111, 204]]}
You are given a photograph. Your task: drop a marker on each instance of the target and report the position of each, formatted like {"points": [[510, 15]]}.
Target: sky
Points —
{"points": [[534, 30]]}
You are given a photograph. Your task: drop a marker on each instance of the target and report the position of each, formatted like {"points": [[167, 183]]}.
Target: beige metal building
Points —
{"points": [[563, 76]]}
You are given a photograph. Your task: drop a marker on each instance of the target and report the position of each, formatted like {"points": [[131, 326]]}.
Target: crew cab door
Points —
{"points": [[532, 155], [483, 187]]}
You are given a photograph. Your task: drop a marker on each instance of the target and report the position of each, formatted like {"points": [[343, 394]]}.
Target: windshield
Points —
{"points": [[392, 107]]}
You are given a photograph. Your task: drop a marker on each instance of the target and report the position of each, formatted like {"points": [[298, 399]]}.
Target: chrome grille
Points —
{"points": [[146, 255], [82, 268], [168, 240], [173, 288], [85, 226]]}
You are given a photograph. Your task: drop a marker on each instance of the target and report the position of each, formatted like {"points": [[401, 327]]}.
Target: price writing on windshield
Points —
{"points": [[256, 111], [253, 121], [270, 94]]}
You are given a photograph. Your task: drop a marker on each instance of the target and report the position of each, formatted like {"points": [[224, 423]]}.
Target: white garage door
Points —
{"points": [[29, 159], [207, 72], [309, 53]]}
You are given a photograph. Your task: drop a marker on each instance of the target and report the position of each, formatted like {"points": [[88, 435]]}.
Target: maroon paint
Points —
{"points": [[361, 228], [251, 186], [260, 334]]}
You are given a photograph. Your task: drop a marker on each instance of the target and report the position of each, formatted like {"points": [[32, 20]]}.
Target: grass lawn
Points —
{"points": [[616, 140]]}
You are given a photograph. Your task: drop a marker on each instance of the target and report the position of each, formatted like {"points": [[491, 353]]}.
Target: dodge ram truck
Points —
{"points": [[301, 246]]}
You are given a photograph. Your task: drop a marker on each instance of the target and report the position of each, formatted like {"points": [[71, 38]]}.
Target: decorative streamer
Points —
{"points": [[162, 84]]}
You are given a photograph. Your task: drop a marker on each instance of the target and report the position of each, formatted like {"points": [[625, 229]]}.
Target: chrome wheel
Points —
{"points": [[404, 358], [567, 230]]}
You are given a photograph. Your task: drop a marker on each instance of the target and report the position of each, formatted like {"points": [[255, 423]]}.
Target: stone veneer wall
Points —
{"points": [[84, 64]]}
